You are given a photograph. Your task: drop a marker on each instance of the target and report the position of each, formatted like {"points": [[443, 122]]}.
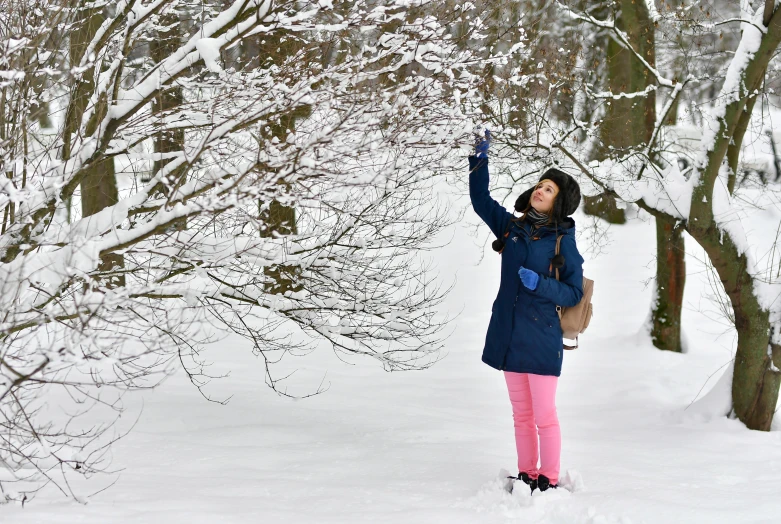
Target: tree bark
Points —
{"points": [[670, 282], [280, 219], [641, 34]]}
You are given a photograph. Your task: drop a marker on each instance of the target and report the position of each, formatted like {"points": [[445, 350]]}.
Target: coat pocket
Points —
{"points": [[546, 315]]}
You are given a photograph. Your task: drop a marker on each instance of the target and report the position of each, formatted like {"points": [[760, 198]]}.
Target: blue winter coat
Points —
{"points": [[524, 334]]}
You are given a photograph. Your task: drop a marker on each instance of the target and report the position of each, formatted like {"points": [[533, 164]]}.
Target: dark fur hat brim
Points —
{"points": [[522, 202]]}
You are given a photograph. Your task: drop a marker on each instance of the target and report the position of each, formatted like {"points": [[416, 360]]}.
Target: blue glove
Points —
{"points": [[482, 145], [529, 278]]}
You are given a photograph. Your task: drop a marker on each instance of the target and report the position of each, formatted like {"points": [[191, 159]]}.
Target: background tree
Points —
{"points": [[99, 184], [170, 136], [699, 198], [629, 122]]}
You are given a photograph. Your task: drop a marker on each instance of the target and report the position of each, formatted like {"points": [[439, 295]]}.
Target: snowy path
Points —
{"points": [[426, 447]]}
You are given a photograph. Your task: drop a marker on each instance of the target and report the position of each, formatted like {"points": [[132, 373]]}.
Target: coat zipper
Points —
{"points": [[512, 328], [512, 322]]}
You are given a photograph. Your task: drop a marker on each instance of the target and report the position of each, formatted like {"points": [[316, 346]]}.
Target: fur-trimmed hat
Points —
{"points": [[567, 200]]}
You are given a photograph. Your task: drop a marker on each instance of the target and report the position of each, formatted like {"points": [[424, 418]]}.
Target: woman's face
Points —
{"points": [[544, 195]]}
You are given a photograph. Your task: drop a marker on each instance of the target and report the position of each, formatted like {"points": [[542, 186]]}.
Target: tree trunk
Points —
{"points": [[99, 188], [278, 219], [670, 282], [756, 381], [616, 130], [168, 140], [631, 122], [733, 151]]}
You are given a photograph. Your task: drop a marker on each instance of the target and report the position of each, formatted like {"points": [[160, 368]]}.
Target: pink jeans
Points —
{"points": [[533, 398]]}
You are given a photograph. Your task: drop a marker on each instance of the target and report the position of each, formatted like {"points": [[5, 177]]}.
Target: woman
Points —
{"points": [[524, 337]]}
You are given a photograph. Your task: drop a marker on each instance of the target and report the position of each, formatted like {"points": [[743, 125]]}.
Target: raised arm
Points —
{"points": [[488, 209]]}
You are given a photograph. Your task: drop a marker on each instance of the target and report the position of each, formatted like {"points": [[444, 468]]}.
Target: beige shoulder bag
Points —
{"points": [[574, 320]]}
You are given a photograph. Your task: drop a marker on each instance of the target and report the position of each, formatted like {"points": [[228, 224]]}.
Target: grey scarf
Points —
{"points": [[536, 218]]}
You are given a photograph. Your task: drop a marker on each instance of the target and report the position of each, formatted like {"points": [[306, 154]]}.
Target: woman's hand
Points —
{"points": [[529, 278], [482, 145]]}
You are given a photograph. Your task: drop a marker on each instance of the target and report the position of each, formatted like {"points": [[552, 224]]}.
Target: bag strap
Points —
{"points": [[558, 308], [507, 229]]}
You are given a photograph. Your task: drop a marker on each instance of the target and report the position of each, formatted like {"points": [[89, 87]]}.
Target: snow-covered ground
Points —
{"points": [[427, 447]]}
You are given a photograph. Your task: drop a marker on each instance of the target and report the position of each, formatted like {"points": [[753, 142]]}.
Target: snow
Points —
{"points": [[12, 75], [733, 87], [752, 219], [644, 436], [717, 403], [608, 94], [653, 13], [209, 48]]}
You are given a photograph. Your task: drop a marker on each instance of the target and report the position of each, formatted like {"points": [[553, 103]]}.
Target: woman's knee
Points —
{"points": [[546, 418], [524, 419]]}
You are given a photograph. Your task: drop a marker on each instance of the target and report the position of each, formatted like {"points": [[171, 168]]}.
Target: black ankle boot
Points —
{"points": [[526, 479], [532, 483], [543, 483]]}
